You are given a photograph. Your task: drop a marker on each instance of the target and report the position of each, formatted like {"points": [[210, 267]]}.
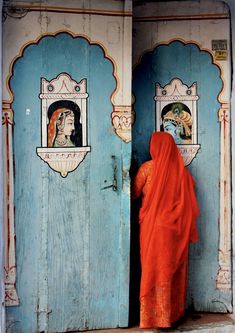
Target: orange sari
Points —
{"points": [[167, 224]]}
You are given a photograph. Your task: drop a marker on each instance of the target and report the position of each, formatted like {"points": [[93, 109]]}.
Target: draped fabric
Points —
{"points": [[167, 224], [52, 126]]}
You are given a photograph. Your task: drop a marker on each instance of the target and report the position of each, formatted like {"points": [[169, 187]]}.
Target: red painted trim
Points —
{"points": [[80, 12]]}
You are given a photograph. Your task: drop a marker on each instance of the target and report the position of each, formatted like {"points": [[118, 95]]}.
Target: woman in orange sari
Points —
{"points": [[167, 224]]}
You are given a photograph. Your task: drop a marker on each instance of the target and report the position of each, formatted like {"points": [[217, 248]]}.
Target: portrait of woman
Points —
{"points": [[167, 221], [64, 128], [60, 128]]}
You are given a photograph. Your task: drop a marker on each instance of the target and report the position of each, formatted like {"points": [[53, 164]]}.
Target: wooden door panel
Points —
{"points": [[68, 230], [189, 64]]}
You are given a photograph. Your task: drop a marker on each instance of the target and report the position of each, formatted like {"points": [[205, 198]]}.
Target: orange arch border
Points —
{"points": [[213, 61], [73, 35]]}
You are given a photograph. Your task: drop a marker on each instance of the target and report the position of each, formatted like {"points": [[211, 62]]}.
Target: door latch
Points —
{"points": [[114, 184]]}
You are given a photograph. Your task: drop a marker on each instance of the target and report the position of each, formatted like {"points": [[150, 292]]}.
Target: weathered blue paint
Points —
{"points": [[188, 63], [72, 239]]}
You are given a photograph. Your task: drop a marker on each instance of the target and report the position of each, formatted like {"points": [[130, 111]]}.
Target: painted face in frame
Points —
{"points": [[68, 125], [173, 130]]}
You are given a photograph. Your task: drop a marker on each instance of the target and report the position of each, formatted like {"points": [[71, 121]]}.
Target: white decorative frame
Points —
{"points": [[176, 91], [63, 160]]}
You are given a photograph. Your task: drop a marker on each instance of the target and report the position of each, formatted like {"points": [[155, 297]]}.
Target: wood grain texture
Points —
{"points": [[72, 235]]}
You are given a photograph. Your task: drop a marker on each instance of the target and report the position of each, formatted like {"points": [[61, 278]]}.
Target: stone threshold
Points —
{"points": [[193, 323]]}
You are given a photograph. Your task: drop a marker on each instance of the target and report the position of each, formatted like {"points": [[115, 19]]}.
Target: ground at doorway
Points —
{"points": [[194, 323]]}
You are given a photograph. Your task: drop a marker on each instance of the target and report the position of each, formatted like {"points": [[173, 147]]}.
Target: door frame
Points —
{"points": [[231, 6]]}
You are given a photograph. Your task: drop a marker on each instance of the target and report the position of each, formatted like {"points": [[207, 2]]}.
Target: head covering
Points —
{"points": [[168, 215], [53, 126]]}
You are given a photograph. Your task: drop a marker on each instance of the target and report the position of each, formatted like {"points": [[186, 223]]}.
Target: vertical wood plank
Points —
{"points": [[28, 196], [43, 310], [2, 289], [124, 238]]}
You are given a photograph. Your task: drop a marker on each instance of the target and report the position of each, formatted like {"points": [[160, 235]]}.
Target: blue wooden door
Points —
{"points": [[189, 64], [72, 240]]}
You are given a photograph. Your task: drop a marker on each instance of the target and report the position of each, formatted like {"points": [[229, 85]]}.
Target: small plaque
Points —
{"points": [[221, 55], [219, 45]]}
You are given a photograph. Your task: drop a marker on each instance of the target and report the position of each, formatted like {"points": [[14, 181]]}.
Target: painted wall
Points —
{"points": [[108, 30]]}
